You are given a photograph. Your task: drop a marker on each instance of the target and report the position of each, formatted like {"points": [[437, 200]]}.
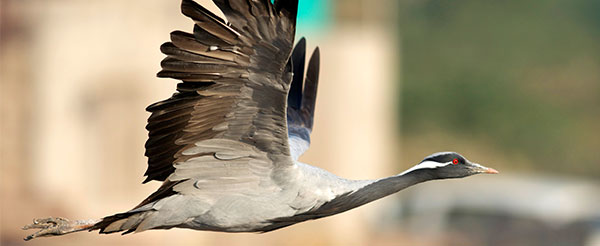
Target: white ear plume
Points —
{"points": [[426, 164]]}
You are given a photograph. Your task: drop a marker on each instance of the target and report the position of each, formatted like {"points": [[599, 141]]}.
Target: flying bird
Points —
{"points": [[226, 145]]}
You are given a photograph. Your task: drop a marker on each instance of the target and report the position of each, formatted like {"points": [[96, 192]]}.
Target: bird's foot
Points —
{"points": [[56, 226]]}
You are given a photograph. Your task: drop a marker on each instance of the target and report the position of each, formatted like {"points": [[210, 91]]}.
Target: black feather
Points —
{"points": [[188, 7], [298, 57], [208, 21], [309, 96]]}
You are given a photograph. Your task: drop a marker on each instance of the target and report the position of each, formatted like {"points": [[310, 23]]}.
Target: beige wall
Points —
{"points": [[76, 77]]}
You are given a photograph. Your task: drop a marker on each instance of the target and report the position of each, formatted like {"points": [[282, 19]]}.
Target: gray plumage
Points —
{"points": [[226, 144]]}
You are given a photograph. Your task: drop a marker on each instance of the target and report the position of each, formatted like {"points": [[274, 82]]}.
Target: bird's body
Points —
{"points": [[261, 210], [226, 144]]}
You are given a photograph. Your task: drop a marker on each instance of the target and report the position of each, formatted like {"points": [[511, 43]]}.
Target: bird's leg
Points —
{"points": [[57, 226]]}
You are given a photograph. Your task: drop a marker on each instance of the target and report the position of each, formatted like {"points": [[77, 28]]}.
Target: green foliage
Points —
{"points": [[522, 74]]}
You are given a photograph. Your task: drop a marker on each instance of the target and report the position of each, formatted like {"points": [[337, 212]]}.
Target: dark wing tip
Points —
{"points": [[317, 53], [298, 59], [301, 44], [310, 88], [302, 40]]}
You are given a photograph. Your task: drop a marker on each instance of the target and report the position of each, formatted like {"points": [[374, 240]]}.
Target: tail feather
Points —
{"points": [[128, 222]]}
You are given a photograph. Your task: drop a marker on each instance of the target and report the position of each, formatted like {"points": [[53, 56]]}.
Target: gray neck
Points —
{"points": [[374, 190]]}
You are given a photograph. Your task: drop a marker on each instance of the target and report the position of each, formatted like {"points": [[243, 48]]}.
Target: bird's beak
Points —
{"points": [[491, 171], [481, 169]]}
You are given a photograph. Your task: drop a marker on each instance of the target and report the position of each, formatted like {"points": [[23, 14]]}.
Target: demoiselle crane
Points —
{"points": [[226, 144]]}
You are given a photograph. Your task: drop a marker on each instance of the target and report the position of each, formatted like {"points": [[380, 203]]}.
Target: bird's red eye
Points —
{"points": [[455, 161]]}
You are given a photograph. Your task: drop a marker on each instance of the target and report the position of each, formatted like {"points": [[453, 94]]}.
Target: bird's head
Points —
{"points": [[444, 165]]}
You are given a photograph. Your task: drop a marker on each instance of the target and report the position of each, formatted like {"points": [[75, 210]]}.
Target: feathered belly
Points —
{"points": [[245, 213]]}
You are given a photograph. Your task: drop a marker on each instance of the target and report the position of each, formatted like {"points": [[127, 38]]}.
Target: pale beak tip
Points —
{"points": [[491, 171]]}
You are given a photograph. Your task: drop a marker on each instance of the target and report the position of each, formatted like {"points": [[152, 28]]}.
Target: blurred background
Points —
{"points": [[514, 85]]}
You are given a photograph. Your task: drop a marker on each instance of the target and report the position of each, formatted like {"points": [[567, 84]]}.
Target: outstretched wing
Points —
{"points": [[224, 132], [234, 88], [302, 99]]}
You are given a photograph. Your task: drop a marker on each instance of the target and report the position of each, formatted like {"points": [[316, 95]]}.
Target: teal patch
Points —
{"points": [[314, 14]]}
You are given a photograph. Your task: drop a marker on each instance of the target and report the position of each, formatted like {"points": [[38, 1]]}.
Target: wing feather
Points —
{"points": [[302, 100], [309, 96], [209, 21], [224, 132], [234, 83]]}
